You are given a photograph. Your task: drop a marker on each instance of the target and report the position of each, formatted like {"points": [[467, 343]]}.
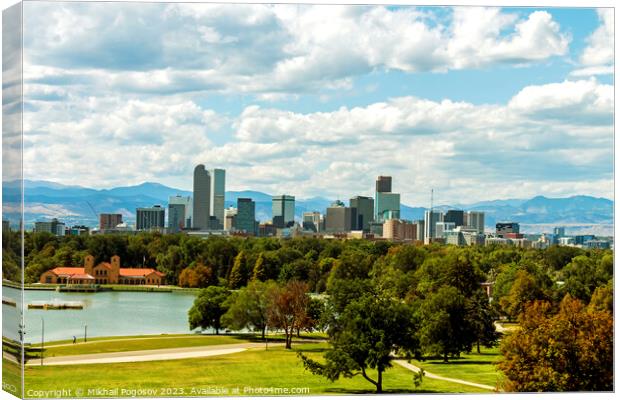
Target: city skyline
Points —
{"points": [[510, 119]]}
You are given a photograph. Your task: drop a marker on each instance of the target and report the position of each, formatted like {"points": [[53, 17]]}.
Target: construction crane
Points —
{"points": [[93, 210]]}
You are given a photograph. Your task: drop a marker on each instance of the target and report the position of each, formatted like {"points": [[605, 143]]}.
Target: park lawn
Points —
{"points": [[473, 367], [11, 378], [255, 368], [143, 343]]}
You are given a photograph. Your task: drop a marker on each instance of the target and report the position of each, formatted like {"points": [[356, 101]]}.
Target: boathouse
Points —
{"points": [[103, 273]]}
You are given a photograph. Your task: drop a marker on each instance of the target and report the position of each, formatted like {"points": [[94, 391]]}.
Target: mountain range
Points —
{"points": [[80, 205]]}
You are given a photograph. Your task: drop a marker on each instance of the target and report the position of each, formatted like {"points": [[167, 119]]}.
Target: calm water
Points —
{"points": [[104, 314]]}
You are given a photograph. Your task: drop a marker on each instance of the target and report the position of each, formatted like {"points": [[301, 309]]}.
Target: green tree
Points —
{"points": [[366, 336], [239, 274], [524, 289], [444, 329], [208, 308], [249, 307]]}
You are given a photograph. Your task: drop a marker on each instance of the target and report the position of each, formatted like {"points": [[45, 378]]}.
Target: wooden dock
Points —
{"points": [[9, 301], [56, 305], [79, 288]]}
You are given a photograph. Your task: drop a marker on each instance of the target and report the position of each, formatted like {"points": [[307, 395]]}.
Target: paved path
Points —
{"points": [[412, 367], [120, 339], [150, 355]]}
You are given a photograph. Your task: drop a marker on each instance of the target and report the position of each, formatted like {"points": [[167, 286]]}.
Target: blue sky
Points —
{"points": [[477, 103]]}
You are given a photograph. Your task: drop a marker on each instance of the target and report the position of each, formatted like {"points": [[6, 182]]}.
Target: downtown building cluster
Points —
{"points": [[204, 213]]}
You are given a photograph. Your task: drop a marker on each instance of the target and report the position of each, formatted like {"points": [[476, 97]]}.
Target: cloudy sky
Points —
{"points": [[477, 103]]}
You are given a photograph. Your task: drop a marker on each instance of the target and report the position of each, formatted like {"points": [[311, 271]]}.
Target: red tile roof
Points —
{"points": [[126, 272], [138, 272]]}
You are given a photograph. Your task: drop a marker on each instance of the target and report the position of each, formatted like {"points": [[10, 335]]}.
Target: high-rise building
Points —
{"points": [[559, 231], [430, 223], [283, 211], [387, 204], [218, 193], [311, 221], [150, 218], [443, 227], [176, 215], [456, 216], [230, 214], [187, 203], [395, 229], [365, 209], [384, 184], [419, 233], [245, 220], [340, 219], [54, 227], [475, 219], [505, 228], [109, 221], [202, 198]]}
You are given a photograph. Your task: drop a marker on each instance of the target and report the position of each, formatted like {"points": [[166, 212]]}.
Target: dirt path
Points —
{"points": [[412, 367], [150, 355]]}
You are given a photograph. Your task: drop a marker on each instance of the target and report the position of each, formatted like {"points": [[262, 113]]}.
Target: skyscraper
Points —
{"points": [[456, 216], [283, 211], [109, 221], [475, 219], [559, 231], [245, 220], [202, 198], [384, 184], [430, 223], [387, 204], [365, 208], [312, 221], [218, 192], [148, 218], [340, 219], [179, 208]]}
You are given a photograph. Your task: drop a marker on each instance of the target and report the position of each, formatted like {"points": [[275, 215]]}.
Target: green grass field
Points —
{"points": [[128, 344], [11, 378], [256, 368], [473, 367]]}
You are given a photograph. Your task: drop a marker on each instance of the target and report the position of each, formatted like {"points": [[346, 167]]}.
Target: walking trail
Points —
{"points": [[411, 367], [150, 355]]}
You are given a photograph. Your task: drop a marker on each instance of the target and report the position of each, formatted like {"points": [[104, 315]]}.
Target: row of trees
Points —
{"points": [[256, 307]]}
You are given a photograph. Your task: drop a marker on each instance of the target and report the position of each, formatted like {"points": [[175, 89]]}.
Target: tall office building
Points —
{"points": [[384, 184], [148, 218], [395, 229], [365, 208], [54, 227], [283, 211], [559, 231], [230, 214], [475, 219], [443, 227], [188, 204], [245, 220], [202, 198], [419, 233], [178, 213], [430, 224], [311, 221], [456, 216], [340, 219], [387, 204], [109, 221], [218, 192]]}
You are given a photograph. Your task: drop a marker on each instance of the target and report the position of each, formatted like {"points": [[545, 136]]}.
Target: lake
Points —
{"points": [[104, 314]]}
